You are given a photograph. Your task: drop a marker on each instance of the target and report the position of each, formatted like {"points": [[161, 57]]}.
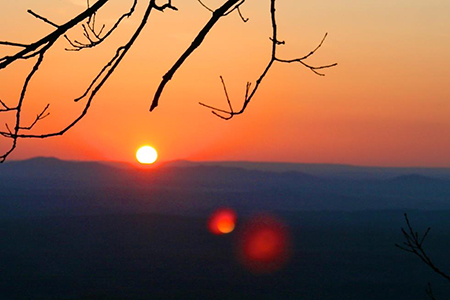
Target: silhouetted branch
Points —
{"points": [[429, 292], [13, 134], [236, 7], [42, 18], [226, 93], [301, 59], [228, 114], [13, 44], [240, 15], [216, 110], [95, 35], [100, 79], [204, 5], [6, 107], [42, 115], [167, 5], [38, 49], [32, 49], [414, 244], [217, 14]]}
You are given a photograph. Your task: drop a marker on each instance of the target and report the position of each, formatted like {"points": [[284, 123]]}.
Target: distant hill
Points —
{"points": [[325, 170], [49, 167], [92, 230], [48, 186]]}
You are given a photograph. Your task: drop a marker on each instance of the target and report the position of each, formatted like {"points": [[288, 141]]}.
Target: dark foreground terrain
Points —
{"points": [[72, 230], [335, 256]]}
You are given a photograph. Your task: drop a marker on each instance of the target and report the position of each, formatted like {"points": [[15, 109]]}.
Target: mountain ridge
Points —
{"points": [[333, 171], [52, 186]]}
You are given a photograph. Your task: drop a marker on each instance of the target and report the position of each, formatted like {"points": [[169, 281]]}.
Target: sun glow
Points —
{"points": [[146, 155]]}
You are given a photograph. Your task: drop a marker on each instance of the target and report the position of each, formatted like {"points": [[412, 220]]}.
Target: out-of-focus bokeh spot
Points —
{"points": [[264, 245], [222, 221]]}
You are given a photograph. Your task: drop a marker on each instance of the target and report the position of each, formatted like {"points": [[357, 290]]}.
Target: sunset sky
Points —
{"points": [[387, 103]]}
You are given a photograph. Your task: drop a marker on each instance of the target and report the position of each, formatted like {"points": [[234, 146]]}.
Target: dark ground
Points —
{"points": [[335, 256], [84, 230]]}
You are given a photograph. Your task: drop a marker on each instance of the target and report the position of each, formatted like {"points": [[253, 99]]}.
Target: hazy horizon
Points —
{"points": [[231, 162]]}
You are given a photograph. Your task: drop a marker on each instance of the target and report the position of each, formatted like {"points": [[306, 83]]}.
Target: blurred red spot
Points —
{"points": [[264, 246], [222, 221]]}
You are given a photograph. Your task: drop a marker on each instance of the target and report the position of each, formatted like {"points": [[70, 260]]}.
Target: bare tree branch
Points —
{"points": [[414, 244], [204, 5], [42, 18], [100, 79], [14, 134], [217, 14], [6, 107], [42, 115], [429, 292], [240, 15], [13, 44], [301, 59], [89, 29], [94, 35], [165, 6], [39, 49], [228, 114], [236, 7], [32, 49]]}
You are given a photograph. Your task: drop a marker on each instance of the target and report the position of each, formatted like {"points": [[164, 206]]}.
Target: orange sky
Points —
{"points": [[387, 103]]}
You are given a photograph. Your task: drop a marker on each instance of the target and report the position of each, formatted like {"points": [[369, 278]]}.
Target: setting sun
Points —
{"points": [[146, 155]]}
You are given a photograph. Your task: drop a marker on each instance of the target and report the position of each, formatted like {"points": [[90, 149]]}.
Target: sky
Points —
{"points": [[387, 103]]}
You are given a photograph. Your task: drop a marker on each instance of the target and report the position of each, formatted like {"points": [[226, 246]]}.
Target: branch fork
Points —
{"points": [[249, 94], [95, 35], [414, 244]]}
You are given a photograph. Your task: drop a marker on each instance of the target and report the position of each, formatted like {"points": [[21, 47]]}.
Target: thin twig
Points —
{"points": [[6, 107], [42, 18], [38, 49], [218, 13], [89, 29], [240, 15], [42, 115], [236, 7], [414, 244], [249, 94], [13, 44], [93, 36], [33, 49], [301, 59], [429, 292], [101, 78], [205, 6]]}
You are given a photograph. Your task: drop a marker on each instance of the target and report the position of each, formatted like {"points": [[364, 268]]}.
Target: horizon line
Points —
{"points": [[164, 162]]}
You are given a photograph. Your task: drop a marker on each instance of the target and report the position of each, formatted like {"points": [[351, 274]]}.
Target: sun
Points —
{"points": [[146, 155]]}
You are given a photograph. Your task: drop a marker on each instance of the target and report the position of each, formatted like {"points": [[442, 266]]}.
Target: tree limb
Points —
{"points": [[414, 244], [94, 36], [228, 114], [217, 14], [52, 37]]}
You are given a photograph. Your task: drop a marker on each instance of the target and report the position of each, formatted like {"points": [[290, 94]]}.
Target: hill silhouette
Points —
{"points": [[90, 230], [48, 186]]}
